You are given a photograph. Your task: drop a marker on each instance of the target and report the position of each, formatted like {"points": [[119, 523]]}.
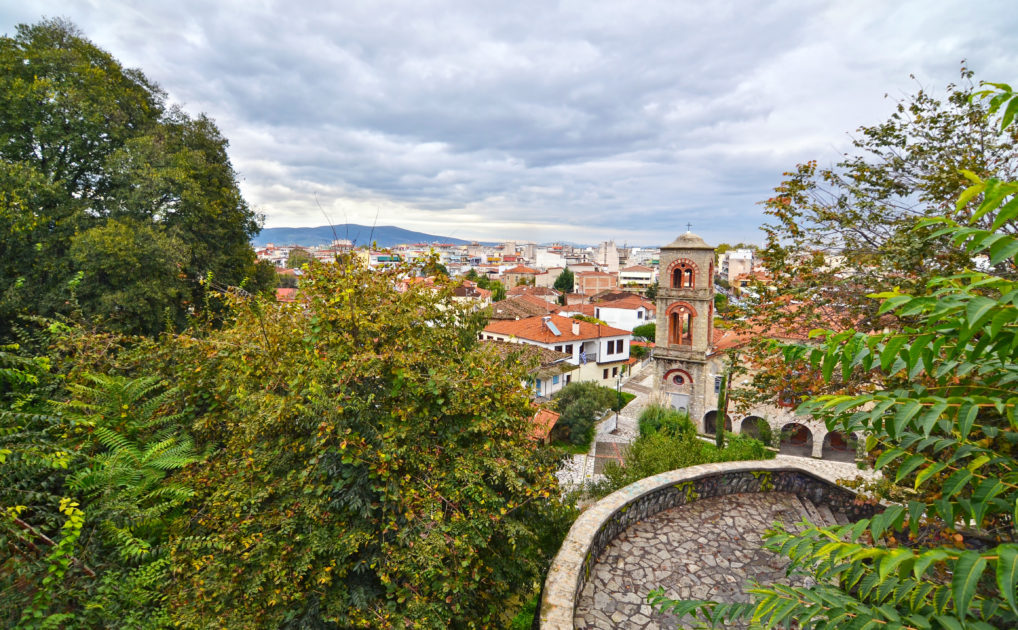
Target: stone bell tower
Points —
{"points": [[685, 325]]}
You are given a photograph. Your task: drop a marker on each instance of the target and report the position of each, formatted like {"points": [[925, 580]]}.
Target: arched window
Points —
{"points": [[683, 272], [680, 326]]}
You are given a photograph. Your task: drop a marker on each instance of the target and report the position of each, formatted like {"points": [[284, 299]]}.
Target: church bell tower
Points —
{"points": [[685, 325]]}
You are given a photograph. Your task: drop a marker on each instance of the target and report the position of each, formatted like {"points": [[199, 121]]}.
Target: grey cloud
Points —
{"points": [[618, 119]]}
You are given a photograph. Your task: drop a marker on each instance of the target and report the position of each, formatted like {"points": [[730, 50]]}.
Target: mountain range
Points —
{"points": [[384, 235]]}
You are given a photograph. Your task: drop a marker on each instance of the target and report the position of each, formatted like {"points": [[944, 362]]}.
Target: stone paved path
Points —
{"points": [[704, 550]]}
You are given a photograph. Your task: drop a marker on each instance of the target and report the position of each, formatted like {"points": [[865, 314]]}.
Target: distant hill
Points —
{"points": [[384, 235]]}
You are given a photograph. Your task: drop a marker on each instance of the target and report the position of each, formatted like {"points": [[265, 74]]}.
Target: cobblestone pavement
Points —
{"points": [[704, 550]]}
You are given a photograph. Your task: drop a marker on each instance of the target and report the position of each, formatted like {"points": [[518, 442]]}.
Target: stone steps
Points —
{"points": [[822, 515]]}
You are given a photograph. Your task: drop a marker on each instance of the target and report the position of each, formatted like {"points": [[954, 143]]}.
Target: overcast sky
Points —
{"points": [[582, 121]]}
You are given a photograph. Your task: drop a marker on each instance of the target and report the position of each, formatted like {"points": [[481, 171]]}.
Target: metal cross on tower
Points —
{"points": [[689, 227]]}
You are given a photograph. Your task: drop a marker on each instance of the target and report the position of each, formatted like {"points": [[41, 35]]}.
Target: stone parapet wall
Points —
{"points": [[603, 521]]}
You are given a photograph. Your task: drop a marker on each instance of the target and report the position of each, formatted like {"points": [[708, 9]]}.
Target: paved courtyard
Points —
{"points": [[707, 549]]}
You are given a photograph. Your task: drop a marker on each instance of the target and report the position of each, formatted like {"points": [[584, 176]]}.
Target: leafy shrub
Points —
{"points": [[655, 418], [672, 446]]}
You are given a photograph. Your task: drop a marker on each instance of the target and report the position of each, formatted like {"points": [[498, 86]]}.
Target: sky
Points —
{"points": [[539, 121]]}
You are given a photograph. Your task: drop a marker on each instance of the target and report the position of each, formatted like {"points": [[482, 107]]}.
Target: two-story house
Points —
{"points": [[601, 352]]}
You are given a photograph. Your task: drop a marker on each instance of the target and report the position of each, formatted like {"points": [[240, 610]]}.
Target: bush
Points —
{"points": [[673, 445], [655, 418]]}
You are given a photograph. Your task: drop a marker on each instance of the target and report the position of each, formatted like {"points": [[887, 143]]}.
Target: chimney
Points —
{"points": [[576, 327]]}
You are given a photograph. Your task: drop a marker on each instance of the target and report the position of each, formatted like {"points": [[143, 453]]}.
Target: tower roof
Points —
{"points": [[688, 241]]}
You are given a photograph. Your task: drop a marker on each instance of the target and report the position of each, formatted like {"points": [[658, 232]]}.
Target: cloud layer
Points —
{"points": [[537, 121]]}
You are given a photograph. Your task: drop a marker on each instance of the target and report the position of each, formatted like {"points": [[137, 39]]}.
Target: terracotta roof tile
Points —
{"points": [[544, 421], [534, 329]]}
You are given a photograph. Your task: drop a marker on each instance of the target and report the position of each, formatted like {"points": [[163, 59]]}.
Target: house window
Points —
{"points": [[569, 378], [554, 380], [639, 314], [717, 384], [605, 373], [538, 387], [569, 348], [615, 371], [558, 348], [619, 346]]}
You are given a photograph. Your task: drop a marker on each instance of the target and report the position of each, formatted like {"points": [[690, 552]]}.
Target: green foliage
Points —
{"points": [[646, 331], [113, 446], [589, 319], [297, 258], [764, 430], [671, 447], [93, 157], [373, 466], [132, 276], [655, 418], [497, 291], [942, 428], [581, 406], [565, 281], [639, 352], [651, 292]]}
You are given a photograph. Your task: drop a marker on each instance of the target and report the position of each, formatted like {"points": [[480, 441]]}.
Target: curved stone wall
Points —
{"points": [[606, 519]]}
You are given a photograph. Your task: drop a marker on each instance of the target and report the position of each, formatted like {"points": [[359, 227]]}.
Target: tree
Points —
{"points": [[372, 464], [565, 281], [838, 234], [651, 292], [646, 331], [940, 421], [135, 276], [297, 258], [497, 290], [580, 406], [87, 142]]}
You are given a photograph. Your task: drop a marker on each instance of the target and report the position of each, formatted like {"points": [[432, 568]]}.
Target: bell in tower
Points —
{"points": [[685, 324]]}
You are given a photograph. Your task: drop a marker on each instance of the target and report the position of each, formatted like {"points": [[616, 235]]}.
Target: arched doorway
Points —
{"points": [[796, 439], [839, 447], [710, 422]]}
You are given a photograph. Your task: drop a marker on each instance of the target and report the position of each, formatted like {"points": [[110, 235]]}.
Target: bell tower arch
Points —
{"points": [[685, 324]]}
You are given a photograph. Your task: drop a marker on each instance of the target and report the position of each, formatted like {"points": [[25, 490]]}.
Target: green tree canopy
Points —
{"points": [[374, 468], [84, 141], [565, 281], [298, 257]]}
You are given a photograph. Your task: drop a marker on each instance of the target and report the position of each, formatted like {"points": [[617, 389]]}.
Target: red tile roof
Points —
{"points": [[522, 269], [544, 421], [640, 268], [630, 302], [535, 329]]}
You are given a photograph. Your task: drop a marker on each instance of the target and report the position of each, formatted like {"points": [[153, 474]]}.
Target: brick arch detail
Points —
{"points": [[675, 263], [677, 305], [668, 375]]}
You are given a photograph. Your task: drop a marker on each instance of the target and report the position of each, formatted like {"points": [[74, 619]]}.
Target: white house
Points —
{"points": [[601, 352], [626, 313]]}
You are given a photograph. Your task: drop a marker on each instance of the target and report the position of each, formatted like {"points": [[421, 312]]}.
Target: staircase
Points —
{"points": [[821, 515]]}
